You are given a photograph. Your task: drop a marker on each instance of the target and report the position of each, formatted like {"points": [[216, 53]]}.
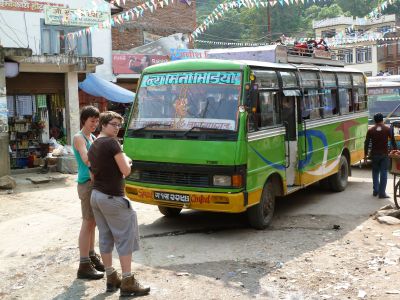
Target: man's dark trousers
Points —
{"points": [[379, 174]]}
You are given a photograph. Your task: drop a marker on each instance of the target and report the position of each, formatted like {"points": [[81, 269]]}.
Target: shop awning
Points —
{"points": [[98, 87]]}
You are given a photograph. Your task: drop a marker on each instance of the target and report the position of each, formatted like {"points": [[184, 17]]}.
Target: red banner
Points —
{"points": [[135, 63], [25, 5]]}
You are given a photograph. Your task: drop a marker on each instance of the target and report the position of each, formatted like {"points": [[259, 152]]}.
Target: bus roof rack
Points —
{"points": [[279, 54]]}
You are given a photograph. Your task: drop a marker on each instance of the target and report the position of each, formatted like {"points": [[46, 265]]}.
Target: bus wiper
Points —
{"points": [[206, 129], [151, 125]]}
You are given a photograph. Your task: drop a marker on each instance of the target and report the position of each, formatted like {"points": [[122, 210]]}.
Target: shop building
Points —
{"points": [[8, 60], [42, 94], [359, 41], [129, 39]]}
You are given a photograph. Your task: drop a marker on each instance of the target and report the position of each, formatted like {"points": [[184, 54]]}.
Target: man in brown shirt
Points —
{"points": [[377, 137]]}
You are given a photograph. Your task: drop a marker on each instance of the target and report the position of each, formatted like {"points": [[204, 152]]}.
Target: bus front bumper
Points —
{"points": [[218, 202]]}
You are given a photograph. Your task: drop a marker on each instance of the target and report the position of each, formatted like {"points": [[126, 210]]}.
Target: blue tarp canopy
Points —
{"points": [[98, 87]]}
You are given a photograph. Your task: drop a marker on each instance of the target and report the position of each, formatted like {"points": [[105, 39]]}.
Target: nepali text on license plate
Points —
{"points": [[171, 197]]}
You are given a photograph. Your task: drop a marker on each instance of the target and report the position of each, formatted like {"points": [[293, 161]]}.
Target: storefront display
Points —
{"points": [[32, 121]]}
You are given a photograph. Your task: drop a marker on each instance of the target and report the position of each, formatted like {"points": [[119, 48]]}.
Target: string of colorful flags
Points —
{"points": [[123, 17], [331, 42], [380, 8], [249, 44], [221, 8]]}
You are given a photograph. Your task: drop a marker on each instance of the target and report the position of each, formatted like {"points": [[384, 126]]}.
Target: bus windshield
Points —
{"points": [[187, 101], [384, 97]]}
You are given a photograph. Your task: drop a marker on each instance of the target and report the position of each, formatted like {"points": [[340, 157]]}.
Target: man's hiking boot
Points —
{"points": [[131, 287], [113, 282], [96, 261], [87, 271]]}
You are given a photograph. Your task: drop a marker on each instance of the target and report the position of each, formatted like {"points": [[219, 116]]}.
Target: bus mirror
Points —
{"points": [[252, 96]]}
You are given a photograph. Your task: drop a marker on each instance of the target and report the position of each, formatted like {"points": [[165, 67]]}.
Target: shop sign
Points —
{"points": [[74, 17], [178, 54], [26, 5], [135, 63], [3, 114]]}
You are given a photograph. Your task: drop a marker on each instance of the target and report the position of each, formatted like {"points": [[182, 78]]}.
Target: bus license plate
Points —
{"points": [[165, 196]]}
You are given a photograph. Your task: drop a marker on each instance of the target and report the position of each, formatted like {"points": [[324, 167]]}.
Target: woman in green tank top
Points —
{"points": [[90, 265]]}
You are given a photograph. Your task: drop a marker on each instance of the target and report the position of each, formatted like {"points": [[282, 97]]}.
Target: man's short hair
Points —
{"points": [[89, 112], [378, 118], [107, 116]]}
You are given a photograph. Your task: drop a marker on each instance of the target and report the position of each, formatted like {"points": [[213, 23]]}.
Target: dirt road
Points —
{"points": [[209, 256]]}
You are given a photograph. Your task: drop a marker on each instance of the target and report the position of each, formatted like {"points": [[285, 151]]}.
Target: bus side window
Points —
{"points": [[269, 109], [360, 102], [344, 101], [329, 102], [311, 105]]}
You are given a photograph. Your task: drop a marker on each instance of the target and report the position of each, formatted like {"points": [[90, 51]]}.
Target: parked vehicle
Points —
{"points": [[231, 136]]}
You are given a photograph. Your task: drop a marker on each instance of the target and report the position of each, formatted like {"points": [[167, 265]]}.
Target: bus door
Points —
{"points": [[289, 118]]}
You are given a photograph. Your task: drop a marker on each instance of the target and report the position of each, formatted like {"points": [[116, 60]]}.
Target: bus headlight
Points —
{"points": [[222, 180]]}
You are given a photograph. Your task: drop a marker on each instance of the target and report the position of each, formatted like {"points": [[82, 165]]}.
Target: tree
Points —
{"points": [[357, 8]]}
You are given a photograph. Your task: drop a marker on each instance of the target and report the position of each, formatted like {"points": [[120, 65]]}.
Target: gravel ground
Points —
{"points": [[208, 256]]}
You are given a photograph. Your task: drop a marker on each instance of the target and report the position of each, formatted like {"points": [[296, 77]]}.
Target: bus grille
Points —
{"points": [[174, 178]]}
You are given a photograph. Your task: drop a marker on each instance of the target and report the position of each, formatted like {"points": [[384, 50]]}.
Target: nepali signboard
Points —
{"points": [[179, 54], [26, 5], [135, 63], [74, 16]]}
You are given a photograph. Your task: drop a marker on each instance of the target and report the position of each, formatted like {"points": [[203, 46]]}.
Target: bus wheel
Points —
{"points": [[260, 215], [169, 212], [338, 182]]}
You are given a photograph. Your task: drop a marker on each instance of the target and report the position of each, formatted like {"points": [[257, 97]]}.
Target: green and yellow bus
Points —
{"points": [[231, 136]]}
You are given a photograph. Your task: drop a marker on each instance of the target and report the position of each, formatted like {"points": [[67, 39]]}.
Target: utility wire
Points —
{"points": [[6, 34], [26, 30], [20, 43]]}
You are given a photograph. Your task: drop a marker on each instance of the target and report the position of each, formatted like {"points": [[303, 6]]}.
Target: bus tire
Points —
{"points": [[169, 212], [260, 215], [338, 182]]}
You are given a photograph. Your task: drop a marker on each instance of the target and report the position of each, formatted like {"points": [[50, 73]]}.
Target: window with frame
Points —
{"points": [[329, 106], [55, 40], [345, 103], [289, 80], [329, 94], [364, 54], [344, 80], [330, 33], [309, 79], [359, 93], [347, 55], [266, 79], [269, 112], [311, 105], [360, 99]]}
